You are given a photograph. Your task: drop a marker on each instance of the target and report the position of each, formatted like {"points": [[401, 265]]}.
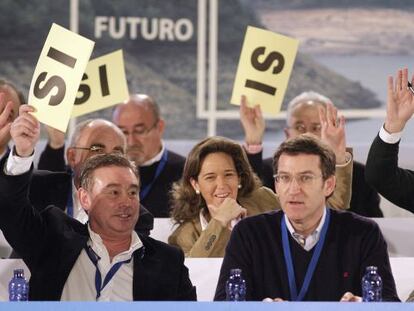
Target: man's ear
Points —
{"points": [[329, 185], [286, 131], [161, 126], [84, 199], [71, 157]]}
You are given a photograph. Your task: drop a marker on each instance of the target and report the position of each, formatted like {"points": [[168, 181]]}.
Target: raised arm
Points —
{"points": [[20, 223], [253, 125], [400, 102], [382, 172], [333, 134]]}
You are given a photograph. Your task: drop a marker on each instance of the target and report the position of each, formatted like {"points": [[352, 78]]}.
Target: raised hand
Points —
{"points": [[25, 131], [333, 131], [227, 211], [56, 137], [5, 119], [400, 102], [252, 122]]}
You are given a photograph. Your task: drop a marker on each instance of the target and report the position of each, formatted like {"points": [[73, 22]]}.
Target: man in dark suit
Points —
{"points": [[91, 137], [303, 117], [66, 257], [382, 172], [140, 120]]}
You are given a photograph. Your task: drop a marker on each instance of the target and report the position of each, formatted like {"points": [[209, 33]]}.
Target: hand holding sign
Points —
{"points": [[264, 69], [25, 131], [58, 73]]}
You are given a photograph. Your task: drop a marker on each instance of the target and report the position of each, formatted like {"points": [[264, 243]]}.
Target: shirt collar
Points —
{"points": [[157, 157], [203, 220], [313, 238], [96, 243]]}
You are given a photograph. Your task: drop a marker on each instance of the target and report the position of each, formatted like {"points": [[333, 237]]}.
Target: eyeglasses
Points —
{"points": [[141, 132], [98, 149], [303, 180], [300, 128]]}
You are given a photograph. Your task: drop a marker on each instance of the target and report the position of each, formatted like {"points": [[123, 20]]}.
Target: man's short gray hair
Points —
{"points": [[73, 140], [308, 96]]}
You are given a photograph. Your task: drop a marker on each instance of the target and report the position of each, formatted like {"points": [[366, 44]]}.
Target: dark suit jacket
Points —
{"points": [[364, 201], [50, 242], [382, 172], [157, 200]]}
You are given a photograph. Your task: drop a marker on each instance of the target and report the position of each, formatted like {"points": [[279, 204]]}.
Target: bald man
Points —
{"points": [[140, 120], [91, 137]]}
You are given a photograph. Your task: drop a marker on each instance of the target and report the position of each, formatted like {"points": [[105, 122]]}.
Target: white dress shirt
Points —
{"points": [[389, 138], [156, 158], [80, 285], [310, 241]]}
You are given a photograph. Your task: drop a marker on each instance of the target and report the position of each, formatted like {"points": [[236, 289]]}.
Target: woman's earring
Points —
{"points": [[239, 186], [197, 191]]}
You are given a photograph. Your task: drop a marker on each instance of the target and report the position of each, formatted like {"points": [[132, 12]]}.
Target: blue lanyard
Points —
{"points": [[98, 278], [145, 190], [312, 265]]}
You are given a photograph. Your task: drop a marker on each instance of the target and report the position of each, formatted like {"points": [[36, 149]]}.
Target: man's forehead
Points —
{"points": [[99, 133], [295, 161], [307, 106], [113, 174]]}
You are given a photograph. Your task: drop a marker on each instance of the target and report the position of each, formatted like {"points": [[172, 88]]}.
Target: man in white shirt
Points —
{"points": [[382, 172], [103, 260]]}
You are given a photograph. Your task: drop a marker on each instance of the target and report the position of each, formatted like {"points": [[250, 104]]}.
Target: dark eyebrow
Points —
{"points": [[299, 173], [114, 185]]}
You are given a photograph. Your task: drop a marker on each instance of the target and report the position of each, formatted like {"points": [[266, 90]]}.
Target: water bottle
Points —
{"points": [[371, 285], [235, 286], [18, 286]]}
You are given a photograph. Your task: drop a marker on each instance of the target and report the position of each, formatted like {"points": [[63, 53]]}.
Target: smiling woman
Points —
{"points": [[218, 188]]}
